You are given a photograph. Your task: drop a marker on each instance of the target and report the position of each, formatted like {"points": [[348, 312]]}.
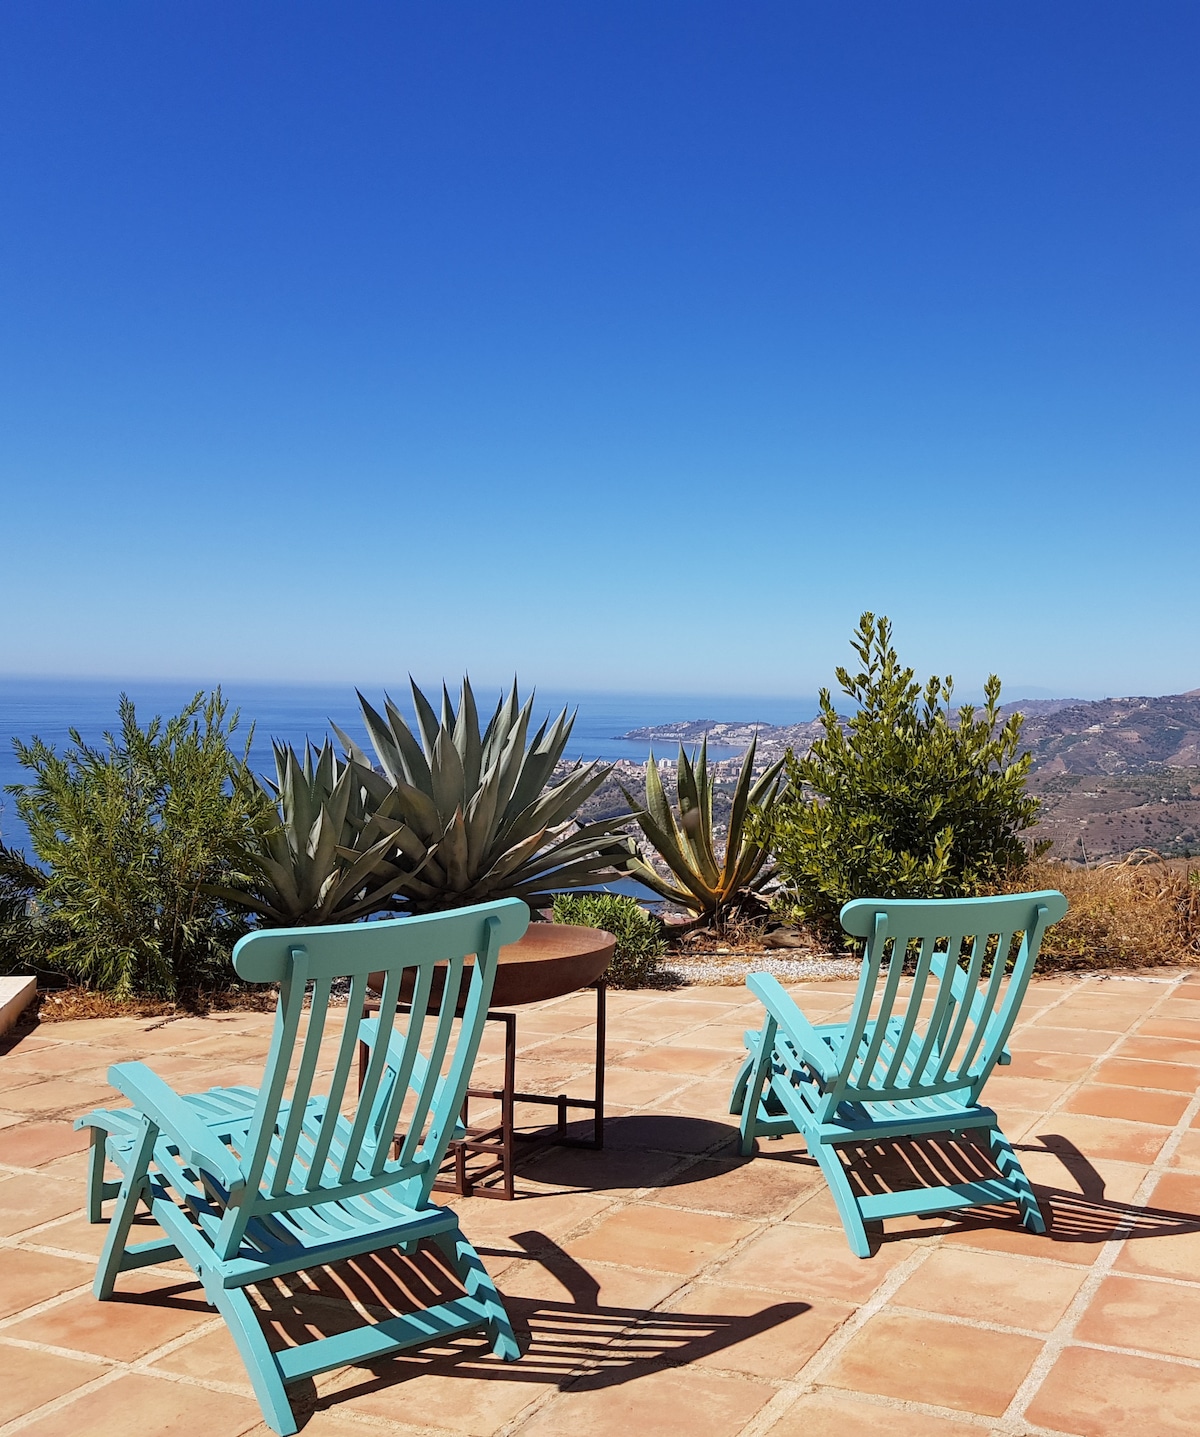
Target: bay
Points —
{"points": [[50, 707]]}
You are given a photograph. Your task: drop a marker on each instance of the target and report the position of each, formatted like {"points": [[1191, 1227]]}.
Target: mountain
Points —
{"points": [[1113, 774]]}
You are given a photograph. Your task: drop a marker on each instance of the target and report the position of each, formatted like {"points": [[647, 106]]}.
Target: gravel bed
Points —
{"points": [[731, 968]]}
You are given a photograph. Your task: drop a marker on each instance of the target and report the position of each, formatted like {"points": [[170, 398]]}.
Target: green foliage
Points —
{"points": [[904, 800], [21, 935], [713, 888], [477, 816], [641, 942], [312, 857], [130, 833]]}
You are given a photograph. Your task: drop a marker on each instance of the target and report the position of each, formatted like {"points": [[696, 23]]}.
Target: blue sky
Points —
{"points": [[627, 346]]}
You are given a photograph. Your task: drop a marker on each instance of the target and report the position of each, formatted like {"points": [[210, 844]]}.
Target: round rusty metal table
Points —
{"points": [[551, 960]]}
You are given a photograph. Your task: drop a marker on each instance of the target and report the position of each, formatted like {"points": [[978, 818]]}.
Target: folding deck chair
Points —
{"points": [[904, 1064], [255, 1183]]}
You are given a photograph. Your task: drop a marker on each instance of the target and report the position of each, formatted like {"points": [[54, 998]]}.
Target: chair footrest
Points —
{"points": [[918, 1200], [380, 1338]]}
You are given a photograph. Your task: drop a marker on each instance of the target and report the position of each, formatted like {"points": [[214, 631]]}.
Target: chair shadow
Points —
{"points": [[574, 1340], [1073, 1215], [641, 1150]]}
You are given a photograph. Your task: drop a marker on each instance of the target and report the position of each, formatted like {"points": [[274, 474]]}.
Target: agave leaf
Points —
{"points": [[351, 749], [448, 778], [427, 721], [466, 737], [556, 805], [690, 785]]}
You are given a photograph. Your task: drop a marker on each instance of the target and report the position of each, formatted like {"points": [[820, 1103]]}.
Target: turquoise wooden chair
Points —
{"points": [[254, 1183], [910, 1060]]}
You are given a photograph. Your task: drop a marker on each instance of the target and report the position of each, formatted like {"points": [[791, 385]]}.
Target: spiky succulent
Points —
{"points": [[316, 859], [476, 816], [712, 888]]}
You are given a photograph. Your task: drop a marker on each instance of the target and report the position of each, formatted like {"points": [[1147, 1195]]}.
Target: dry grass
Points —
{"points": [[69, 1003], [1140, 912]]}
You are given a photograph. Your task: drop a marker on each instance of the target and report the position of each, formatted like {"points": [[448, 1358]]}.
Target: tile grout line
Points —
{"points": [[1059, 1338]]}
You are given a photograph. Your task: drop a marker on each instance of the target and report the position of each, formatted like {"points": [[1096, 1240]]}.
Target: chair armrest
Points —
{"points": [[176, 1121], [794, 1025]]}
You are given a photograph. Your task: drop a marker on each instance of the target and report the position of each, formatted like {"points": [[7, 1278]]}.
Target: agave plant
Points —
{"points": [[476, 816], [711, 888], [315, 860]]}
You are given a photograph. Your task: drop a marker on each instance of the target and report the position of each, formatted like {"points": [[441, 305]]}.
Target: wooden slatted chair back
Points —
{"points": [[313, 1141], [941, 1026]]}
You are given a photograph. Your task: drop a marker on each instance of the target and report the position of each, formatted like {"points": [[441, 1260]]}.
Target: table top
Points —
{"points": [[550, 960]]}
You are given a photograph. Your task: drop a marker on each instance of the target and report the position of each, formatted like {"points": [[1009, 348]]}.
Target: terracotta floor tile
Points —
{"points": [[76, 1234], [1032, 1094], [1187, 1154], [1058, 1067], [146, 1312], [921, 1360], [715, 1406], [992, 1287], [1188, 1028], [659, 1239], [32, 1378], [697, 1062], [702, 1098], [1124, 1142], [1154, 1049], [637, 1088], [148, 1404], [35, 1143], [1169, 1224], [487, 1221], [622, 1294], [832, 1414], [1063, 1168], [801, 1262], [1144, 1105], [740, 1186], [1043, 1036], [727, 1038], [757, 1333], [472, 1393], [58, 1095], [209, 1355], [28, 1277], [1106, 1394], [580, 1051], [32, 1198], [1077, 1229], [1135, 1073], [1153, 1316]]}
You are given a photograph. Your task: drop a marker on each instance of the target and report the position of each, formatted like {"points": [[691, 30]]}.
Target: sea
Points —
{"points": [[295, 713]]}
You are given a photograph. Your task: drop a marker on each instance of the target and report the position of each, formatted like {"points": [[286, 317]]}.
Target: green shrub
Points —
{"points": [[21, 938], [129, 835], [641, 941], [904, 800]]}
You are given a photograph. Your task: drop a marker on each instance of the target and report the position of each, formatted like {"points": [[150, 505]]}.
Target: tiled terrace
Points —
{"points": [[667, 1285]]}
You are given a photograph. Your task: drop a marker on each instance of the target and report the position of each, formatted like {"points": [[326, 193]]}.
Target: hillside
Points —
{"points": [[1113, 774]]}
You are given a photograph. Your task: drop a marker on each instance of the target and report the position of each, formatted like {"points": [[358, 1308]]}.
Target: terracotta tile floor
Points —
{"points": [[666, 1284]]}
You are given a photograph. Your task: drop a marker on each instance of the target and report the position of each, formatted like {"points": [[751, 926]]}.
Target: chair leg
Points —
{"points": [[135, 1184], [1014, 1174], [843, 1195], [759, 1072], [262, 1369], [95, 1176], [471, 1272]]}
